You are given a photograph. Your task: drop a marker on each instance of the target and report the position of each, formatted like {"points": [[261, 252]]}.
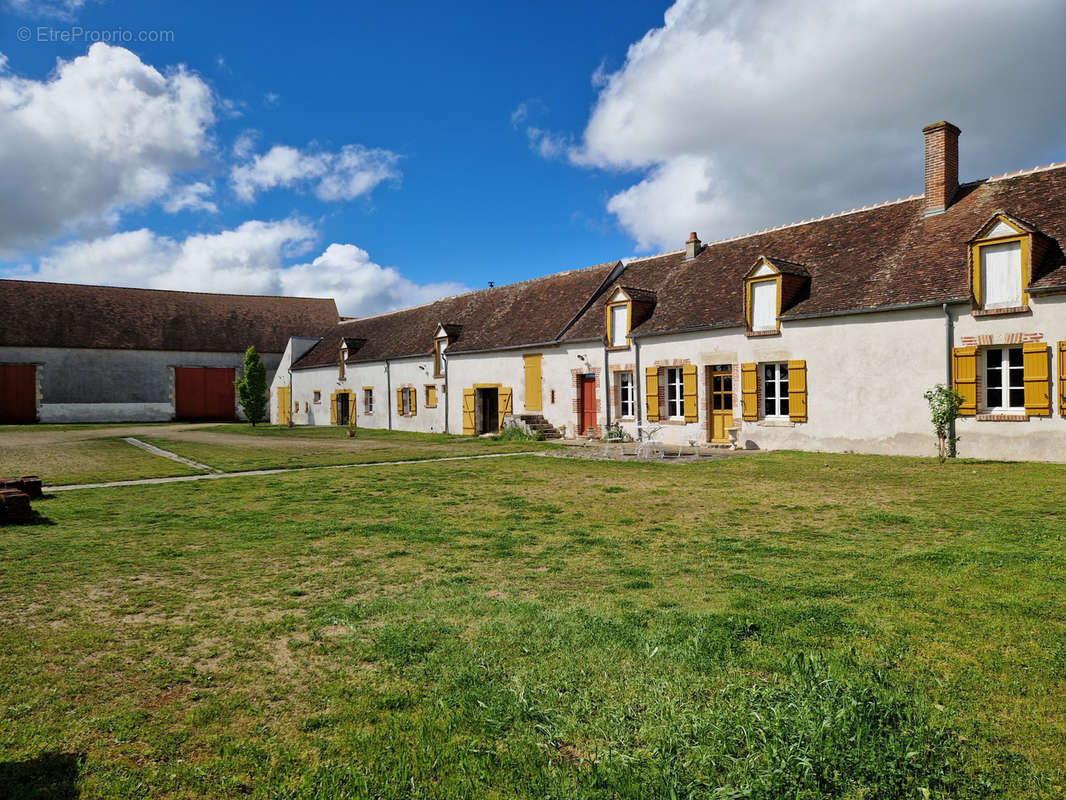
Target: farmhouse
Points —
{"points": [[72, 353], [820, 335]]}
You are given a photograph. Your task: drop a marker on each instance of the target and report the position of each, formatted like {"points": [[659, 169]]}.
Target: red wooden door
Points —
{"points": [[203, 393], [18, 393], [588, 403]]}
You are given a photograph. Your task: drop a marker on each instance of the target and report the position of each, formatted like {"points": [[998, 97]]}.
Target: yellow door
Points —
{"points": [[284, 409], [505, 405], [468, 412], [533, 396], [721, 392]]}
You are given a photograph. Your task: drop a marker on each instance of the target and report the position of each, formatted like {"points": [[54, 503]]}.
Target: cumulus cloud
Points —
{"points": [[360, 286], [254, 258], [103, 133], [344, 175], [743, 115]]}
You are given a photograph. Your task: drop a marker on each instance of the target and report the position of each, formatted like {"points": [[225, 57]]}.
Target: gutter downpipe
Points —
{"points": [[950, 339], [446, 397], [290, 391], [606, 389], [636, 383], [388, 391]]}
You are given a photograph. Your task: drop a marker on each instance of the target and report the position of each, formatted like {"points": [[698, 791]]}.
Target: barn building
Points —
{"points": [[819, 335], [73, 353]]}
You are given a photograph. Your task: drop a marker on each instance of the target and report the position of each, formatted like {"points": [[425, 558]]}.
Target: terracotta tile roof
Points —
{"points": [[40, 314], [885, 255], [526, 313]]}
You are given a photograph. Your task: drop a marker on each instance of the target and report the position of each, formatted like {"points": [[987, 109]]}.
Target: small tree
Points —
{"points": [[944, 405], [252, 388]]}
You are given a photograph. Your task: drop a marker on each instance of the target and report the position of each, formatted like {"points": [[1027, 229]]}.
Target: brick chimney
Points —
{"points": [[692, 246], [941, 166]]}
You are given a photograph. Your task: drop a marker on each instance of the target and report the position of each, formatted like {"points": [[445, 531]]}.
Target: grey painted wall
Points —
{"points": [[116, 376]]}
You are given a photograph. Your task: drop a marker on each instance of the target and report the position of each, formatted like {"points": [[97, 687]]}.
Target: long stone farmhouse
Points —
{"points": [[71, 353], [821, 335]]}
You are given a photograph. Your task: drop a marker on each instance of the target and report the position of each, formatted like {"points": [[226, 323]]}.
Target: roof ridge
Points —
{"points": [[483, 289], [165, 291], [1018, 173]]}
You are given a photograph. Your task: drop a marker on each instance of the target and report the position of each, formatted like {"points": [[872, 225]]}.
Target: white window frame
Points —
{"points": [[627, 407], [1011, 252], [768, 289], [1006, 372], [675, 393], [774, 403], [368, 401], [405, 400]]}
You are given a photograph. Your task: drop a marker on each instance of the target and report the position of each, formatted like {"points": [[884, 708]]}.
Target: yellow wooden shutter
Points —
{"points": [[797, 391], [1037, 379], [399, 402], [283, 405], [533, 382], [468, 412], [333, 408], [749, 391], [431, 397], [506, 404], [651, 393], [975, 277], [1062, 378], [964, 378], [691, 396], [414, 403]]}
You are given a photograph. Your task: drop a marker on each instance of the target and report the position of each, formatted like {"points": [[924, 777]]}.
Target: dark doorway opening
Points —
{"points": [[342, 409], [487, 416]]}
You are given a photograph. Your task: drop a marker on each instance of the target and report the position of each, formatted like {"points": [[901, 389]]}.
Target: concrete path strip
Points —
{"points": [[159, 451], [216, 475]]}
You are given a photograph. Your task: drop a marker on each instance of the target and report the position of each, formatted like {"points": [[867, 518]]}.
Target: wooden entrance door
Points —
{"points": [[587, 404], [284, 409], [721, 394], [18, 393]]}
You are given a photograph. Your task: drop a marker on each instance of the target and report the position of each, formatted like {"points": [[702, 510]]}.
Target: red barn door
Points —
{"points": [[204, 393], [18, 393]]}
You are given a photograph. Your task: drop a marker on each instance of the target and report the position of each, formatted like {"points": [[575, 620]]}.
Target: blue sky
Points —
{"points": [[386, 155]]}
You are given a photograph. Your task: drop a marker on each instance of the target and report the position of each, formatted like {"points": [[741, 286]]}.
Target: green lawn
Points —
{"points": [[82, 460], [271, 446], [776, 626]]}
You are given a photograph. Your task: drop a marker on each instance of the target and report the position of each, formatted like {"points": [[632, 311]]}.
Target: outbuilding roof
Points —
{"points": [[531, 312], [42, 314]]}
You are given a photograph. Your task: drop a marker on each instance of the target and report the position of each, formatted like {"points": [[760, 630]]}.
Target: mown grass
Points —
{"points": [[82, 460], [786, 625], [272, 447]]}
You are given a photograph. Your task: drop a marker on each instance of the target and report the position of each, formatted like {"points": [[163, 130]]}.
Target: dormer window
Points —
{"points": [[1000, 265], [771, 286], [440, 345], [619, 319], [763, 297]]}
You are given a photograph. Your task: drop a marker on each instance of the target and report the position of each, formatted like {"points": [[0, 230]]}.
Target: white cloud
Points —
{"points": [[192, 197], [744, 115], [103, 133], [254, 258], [353, 171], [360, 286], [56, 9], [547, 144]]}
